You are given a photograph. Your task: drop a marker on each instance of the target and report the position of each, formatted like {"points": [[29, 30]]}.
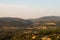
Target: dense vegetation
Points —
{"points": [[8, 30], [53, 34], [19, 35]]}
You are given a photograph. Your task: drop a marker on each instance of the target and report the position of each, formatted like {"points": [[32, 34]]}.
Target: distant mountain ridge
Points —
{"points": [[14, 22], [18, 22], [47, 18], [50, 18]]}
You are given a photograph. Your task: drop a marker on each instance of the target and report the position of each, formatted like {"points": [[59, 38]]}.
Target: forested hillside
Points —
{"points": [[31, 29]]}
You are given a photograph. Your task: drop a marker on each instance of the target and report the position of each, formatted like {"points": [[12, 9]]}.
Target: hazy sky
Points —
{"points": [[29, 8]]}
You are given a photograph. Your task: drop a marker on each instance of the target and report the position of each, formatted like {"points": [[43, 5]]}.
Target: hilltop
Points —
{"points": [[14, 22], [19, 22]]}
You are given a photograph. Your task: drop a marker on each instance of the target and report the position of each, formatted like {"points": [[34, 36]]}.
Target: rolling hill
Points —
{"points": [[14, 22], [18, 22], [46, 18]]}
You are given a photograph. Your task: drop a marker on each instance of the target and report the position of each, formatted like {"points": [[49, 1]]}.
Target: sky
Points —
{"points": [[28, 9]]}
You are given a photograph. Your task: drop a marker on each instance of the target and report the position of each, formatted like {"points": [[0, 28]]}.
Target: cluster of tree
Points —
{"points": [[6, 34], [18, 35], [53, 34]]}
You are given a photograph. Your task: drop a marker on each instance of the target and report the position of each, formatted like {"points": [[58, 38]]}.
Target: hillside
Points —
{"points": [[8, 25], [14, 22], [18, 22], [47, 18]]}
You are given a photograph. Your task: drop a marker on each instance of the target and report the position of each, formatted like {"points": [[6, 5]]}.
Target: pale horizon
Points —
{"points": [[29, 9]]}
